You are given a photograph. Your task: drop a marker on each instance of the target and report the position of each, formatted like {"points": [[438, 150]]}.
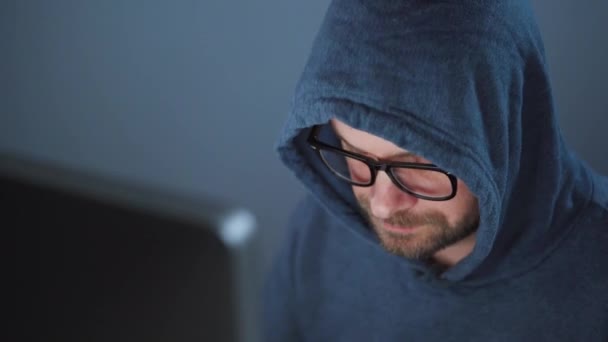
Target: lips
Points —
{"points": [[398, 229]]}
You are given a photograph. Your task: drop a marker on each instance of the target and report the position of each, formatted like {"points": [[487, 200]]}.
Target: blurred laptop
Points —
{"points": [[103, 260]]}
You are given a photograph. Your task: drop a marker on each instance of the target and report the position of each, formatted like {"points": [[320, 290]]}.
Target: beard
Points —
{"points": [[432, 234]]}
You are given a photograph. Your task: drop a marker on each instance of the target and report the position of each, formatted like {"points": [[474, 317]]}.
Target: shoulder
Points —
{"points": [[322, 245], [309, 229], [600, 191], [585, 249], [588, 239]]}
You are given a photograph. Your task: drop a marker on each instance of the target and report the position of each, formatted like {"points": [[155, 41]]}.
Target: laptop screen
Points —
{"points": [[99, 260]]}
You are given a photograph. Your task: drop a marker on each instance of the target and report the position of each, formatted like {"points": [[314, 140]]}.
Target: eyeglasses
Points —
{"points": [[424, 181]]}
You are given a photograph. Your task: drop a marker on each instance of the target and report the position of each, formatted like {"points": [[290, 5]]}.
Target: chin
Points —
{"points": [[415, 245]]}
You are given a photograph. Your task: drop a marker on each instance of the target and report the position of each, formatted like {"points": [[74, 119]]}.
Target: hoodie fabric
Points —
{"points": [[464, 84]]}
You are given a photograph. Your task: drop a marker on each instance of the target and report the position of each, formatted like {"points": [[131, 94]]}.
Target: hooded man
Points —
{"points": [[443, 203]]}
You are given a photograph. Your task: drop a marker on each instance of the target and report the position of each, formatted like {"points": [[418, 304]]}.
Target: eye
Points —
{"points": [[358, 170]]}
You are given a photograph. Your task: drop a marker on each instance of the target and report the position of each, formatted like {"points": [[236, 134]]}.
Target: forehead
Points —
{"points": [[365, 141]]}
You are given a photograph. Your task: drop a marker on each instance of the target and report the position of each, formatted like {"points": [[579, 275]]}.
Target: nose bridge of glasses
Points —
{"points": [[381, 166], [386, 167]]}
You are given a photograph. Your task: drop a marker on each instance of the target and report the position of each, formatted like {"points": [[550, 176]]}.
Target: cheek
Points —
{"points": [[360, 191], [463, 207], [454, 212]]}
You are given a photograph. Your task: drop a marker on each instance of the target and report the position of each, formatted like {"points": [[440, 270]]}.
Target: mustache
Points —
{"points": [[405, 218], [408, 219]]}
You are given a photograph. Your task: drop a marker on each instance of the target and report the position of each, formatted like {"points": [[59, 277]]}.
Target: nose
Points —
{"points": [[386, 198]]}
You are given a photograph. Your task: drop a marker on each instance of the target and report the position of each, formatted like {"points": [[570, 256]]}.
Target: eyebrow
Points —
{"points": [[358, 150]]}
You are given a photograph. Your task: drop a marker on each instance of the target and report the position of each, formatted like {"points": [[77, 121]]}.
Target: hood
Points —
{"points": [[463, 84]]}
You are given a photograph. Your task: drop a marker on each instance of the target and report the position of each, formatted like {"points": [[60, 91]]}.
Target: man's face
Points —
{"points": [[408, 226]]}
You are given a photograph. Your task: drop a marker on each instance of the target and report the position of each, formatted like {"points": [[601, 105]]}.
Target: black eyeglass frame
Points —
{"points": [[375, 166]]}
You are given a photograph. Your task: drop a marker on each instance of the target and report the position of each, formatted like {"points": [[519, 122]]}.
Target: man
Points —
{"points": [[443, 204]]}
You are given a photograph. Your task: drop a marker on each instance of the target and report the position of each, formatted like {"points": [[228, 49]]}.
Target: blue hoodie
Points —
{"points": [[464, 84]]}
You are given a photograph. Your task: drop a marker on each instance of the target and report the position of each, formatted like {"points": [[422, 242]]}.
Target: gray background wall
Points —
{"points": [[190, 95]]}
